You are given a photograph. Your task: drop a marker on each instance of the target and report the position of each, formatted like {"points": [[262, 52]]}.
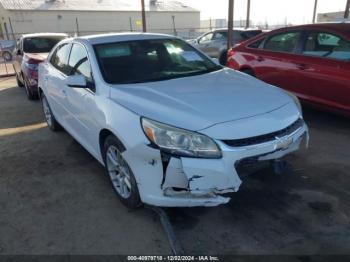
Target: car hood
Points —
{"points": [[197, 102], [37, 56]]}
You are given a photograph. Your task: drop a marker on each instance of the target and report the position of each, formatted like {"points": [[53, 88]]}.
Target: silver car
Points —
{"points": [[6, 49], [214, 43]]}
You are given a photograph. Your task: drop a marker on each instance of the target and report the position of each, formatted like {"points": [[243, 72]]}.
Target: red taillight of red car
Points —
{"points": [[230, 61], [32, 67]]}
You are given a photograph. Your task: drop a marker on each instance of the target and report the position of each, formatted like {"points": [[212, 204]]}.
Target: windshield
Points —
{"points": [[40, 44], [150, 60]]}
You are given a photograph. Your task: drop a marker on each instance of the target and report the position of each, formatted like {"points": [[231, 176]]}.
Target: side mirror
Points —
{"points": [[76, 81], [216, 61]]}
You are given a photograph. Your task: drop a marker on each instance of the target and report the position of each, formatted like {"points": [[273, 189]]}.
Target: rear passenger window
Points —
{"points": [[256, 44], [60, 57], [327, 45], [285, 42]]}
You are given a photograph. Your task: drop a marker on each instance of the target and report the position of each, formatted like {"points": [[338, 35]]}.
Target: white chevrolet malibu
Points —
{"points": [[171, 127]]}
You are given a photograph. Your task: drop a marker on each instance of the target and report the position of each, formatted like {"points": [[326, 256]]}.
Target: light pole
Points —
{"points": [[315, 10], [230, 24], [144, 29], [247, 23], [346, 13]]}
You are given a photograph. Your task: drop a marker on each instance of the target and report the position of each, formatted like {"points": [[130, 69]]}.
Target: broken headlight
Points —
{"points": [[180, 142]]}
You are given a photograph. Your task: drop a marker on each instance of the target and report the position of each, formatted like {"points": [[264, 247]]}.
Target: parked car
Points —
{"points": [[312, 61], [6, 49], [171, 127], [214, 43], [32, 49]]}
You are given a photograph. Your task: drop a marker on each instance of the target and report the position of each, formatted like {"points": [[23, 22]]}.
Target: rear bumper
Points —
{"points": [[187, 182]]}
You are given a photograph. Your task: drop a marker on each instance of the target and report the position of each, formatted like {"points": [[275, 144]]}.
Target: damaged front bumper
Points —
{"points": [[168, 181]]}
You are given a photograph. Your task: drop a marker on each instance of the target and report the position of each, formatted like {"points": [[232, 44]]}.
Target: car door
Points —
{"points": [[273, 61], [324, 69], [54, 80], [219, 44], [81, 101], [204, 43]]}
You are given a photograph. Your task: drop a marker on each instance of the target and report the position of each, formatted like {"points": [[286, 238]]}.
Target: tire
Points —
{"points": [[223, 58], [30, 94], [49, 117], [7, 56], [248, 72], [118, 170], [19, 83]]}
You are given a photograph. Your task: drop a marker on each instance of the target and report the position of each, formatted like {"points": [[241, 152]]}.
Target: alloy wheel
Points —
{"points": [[118, 171]]}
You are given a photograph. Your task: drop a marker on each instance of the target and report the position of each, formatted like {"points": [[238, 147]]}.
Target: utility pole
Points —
{"points": [[230, 24], [247, 23], [77, 25], [174, 26], [144, 29], [315, 10], [346, 13]]}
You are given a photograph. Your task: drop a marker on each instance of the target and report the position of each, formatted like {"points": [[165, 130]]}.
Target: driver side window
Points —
{"points": [[79, 64], [206, 38]]}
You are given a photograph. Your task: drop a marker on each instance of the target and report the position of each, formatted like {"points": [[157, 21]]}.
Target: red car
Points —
{"points": [[311, 61], [32, 49]]}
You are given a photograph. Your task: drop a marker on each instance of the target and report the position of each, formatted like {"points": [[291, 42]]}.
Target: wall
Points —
{"points": [[99, 22]]}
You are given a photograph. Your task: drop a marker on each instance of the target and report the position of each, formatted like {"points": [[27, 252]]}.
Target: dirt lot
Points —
{"points": [[55, 199]]}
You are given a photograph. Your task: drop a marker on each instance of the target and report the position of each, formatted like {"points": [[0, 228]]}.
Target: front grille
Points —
{"points": [[265, 138]]}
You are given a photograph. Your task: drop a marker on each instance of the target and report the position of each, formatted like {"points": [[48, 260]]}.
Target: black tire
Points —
{"points": [[223, 58], [52, 123], [133, 200], [7, 56], [248, 72], [30, 94], [19, 83]]}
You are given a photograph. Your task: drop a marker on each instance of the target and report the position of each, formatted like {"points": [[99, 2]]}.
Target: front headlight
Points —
{"points": [[296, 101], [180, 142]]}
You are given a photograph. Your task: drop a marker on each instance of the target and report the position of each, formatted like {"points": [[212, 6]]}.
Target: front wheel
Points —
{"points": [[121, 176], [19, 83], [7, 56], [49, 117]]}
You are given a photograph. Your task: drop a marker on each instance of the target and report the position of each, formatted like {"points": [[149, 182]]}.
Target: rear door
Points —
{"points": [[55, 83], [273, 61], [324, 69]]}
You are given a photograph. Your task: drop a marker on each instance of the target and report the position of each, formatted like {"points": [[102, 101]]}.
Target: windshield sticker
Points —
{"points": [[114, 51], [191, 56]]}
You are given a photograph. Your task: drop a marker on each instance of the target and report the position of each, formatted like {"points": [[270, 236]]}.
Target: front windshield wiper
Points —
{"points": [[172, 76]]}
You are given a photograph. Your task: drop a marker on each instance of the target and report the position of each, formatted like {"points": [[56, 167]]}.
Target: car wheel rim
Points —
{"points": [[119, 172], [47, 112], [7, 56]]}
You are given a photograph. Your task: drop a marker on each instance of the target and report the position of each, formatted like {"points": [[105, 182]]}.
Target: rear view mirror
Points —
{"points": [[76, 81]]}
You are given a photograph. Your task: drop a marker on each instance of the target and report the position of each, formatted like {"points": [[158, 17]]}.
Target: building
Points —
{"points": [[95, 16], [331, 17]]}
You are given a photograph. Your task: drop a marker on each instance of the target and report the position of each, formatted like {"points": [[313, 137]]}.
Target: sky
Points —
{"points": [[271, 11]]}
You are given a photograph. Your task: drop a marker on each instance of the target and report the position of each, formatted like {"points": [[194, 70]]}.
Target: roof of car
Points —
{"points": [[237, 29], [44, 34], [121, 37], [334, 26]]}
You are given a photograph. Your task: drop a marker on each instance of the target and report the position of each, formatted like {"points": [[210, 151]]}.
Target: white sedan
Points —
{"points": [[171, 127]]}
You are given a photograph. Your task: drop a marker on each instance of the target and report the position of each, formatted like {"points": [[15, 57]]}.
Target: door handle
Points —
{"points": [[303, 66], [260, 59]]}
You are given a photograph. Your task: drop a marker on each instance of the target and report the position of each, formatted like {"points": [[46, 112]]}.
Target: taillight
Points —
{"points": [[230, 53]]}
